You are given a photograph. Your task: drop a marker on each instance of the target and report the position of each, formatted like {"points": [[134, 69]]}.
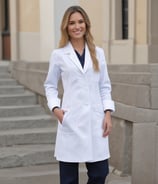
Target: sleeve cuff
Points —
{"points": [[109, 105]]}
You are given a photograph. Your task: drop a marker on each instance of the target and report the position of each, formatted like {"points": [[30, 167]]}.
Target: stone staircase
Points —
{"points": [[27, 135]]}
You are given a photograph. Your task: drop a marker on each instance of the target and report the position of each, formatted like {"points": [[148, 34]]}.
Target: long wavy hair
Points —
{"points": [[88, 36]]}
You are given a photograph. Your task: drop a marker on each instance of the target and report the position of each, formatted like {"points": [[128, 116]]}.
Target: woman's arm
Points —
{"points": [[105, 85], [51, 82]]}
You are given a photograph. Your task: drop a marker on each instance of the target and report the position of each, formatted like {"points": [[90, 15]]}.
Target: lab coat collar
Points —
{"points": [[69, 50]]}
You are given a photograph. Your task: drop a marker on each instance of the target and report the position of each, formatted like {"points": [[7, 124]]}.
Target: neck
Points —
{"points": [[78, 45]]}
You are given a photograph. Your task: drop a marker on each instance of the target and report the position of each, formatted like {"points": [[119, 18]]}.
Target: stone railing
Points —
{"points": [[135, 91]]}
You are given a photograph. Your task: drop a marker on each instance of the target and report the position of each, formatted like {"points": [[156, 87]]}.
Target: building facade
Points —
{"points": [[128, 32], [120, 26]]}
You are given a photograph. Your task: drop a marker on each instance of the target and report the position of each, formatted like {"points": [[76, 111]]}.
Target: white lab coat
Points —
{"points": [[86, 95]]}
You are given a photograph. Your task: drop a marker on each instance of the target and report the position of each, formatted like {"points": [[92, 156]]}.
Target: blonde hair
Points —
{"points": [[88, 36]]}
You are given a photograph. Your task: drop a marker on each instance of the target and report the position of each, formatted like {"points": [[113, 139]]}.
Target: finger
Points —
{"points": [[107, 130], [104, 124], [62, 115], [64, 111], [106, 133]]}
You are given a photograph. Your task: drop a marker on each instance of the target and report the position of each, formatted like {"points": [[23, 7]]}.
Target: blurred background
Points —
{"points": [[128, 32]]}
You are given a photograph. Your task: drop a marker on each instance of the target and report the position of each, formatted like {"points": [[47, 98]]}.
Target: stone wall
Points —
{"points": [[134, 139], [135, 90]]}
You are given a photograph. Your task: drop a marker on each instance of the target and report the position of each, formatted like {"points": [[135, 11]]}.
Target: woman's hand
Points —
{"points": [[59, 113], [107, 124]]}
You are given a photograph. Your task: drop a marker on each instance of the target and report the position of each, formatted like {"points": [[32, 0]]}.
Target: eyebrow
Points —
{"points": [[77, 20]]}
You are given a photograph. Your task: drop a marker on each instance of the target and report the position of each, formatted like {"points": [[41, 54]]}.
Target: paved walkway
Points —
{"points": [[116, 178]]}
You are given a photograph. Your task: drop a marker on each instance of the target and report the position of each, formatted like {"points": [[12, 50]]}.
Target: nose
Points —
{"points": [[77, 25]]}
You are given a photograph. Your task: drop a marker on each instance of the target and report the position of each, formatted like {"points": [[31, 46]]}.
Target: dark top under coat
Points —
{"points": [[81, 57]]}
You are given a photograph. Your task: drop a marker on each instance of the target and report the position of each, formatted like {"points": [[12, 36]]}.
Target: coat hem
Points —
{"points": [[82, 161]]}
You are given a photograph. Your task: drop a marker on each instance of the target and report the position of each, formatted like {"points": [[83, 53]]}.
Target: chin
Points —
{"points": [[78, 37]]}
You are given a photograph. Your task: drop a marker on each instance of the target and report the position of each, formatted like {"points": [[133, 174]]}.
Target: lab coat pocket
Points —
{"points": [[98, 114], [64, 117], [67, 125]]}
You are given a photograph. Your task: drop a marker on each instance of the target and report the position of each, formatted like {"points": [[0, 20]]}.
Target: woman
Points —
{"points": [[84, 115]]}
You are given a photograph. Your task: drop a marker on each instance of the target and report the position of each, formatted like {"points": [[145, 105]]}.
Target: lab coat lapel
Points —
{"points": [[71, 53], [88, 60]]}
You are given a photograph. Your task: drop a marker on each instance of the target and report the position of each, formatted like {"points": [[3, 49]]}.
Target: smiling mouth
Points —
{"points": [[77, 32]]}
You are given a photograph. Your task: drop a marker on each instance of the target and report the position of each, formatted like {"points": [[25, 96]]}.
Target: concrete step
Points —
{"points": [[4, 67], [16, 89], [16, 111], [26, 155], [37, 175], [4, 82], [26, 98], [5, 75], [49, 174], [38, 121], [28, 136], [32, 174]]}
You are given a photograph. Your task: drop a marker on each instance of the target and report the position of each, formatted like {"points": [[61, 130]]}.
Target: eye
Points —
{"points": [[81, 21], [71, 22]]}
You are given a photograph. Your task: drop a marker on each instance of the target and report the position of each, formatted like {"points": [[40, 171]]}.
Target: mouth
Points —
{"points": [[78, 32]]}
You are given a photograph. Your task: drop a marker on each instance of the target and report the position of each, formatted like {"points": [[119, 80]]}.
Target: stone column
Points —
{"points": [[144, 153], [141, 31], [47, 29], [1, 17], [14, 30], [153, 31], [145, 137], [107, 28]]}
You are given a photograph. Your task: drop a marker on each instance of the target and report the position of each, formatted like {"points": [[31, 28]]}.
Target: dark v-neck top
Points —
{"points": [[81, 57]]}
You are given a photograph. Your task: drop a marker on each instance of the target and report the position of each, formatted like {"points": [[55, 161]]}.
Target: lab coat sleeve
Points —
{"points": [[51, 82], [105, 85]]}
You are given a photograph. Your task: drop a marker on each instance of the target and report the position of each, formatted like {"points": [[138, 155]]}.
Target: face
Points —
{"points": [[76, 26]]}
